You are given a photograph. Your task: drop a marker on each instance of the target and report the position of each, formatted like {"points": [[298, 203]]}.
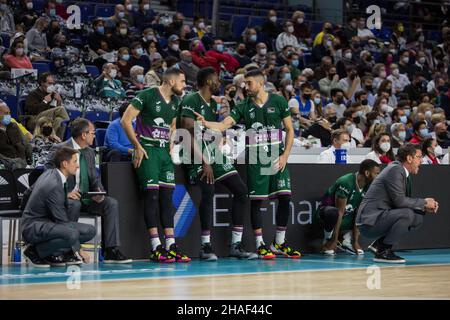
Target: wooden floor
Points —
{"points": [[403, 282]]}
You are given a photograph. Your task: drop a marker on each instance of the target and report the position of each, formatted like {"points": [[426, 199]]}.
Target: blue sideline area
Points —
{"points": [[21, 274]]}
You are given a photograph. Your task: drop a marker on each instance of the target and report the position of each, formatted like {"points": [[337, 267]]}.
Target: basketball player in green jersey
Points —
{"points": [[264, 115], [155, 112]]}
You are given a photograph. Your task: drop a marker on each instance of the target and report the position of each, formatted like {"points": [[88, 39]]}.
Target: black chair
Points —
{"points": [[9, 209]]}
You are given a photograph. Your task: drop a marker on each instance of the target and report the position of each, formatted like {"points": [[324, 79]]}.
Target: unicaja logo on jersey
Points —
{"points": [[257, 126], [159, 122]]}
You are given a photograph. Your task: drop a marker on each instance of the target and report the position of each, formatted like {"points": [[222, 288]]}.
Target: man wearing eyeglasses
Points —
{"points": [[86, 180], [388, 212]]}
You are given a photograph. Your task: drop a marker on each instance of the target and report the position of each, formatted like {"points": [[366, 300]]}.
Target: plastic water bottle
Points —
{"points": [[341, 156], [17, 256]]}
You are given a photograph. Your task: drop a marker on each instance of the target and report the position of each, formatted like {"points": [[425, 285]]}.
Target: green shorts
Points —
{"points": [[156, 171], [262, 185]]}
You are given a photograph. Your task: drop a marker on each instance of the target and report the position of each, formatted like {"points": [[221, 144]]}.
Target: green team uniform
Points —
{"points": [[267, 141], [345, 187], [153, 131], [222, 168]]}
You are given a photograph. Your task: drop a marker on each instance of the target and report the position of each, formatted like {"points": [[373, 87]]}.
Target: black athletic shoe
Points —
{"points": [[72, 259], [387, 256], [113, 255], [32, 258], [55, 261]]}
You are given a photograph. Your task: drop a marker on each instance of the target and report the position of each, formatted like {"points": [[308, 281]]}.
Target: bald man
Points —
{"points": [[190, 70]]}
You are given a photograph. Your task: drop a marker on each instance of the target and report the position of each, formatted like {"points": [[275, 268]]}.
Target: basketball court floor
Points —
{"points": [[426, 275]]}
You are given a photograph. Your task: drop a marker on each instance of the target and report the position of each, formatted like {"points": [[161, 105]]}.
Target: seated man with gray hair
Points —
{"points": [[398, 133], [137, 81]]}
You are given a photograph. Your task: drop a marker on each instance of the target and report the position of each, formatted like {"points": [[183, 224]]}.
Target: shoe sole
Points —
{"points": [[284, 255], [31, 264], [209, 259], [267, 257], [373, 249], [329, 253], [251, 257], [58, 265], [184, 261], [117, 261], [74, 263], [388, 261]]}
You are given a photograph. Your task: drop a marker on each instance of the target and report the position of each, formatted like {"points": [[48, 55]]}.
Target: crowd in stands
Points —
{"points": [[375, 93]]}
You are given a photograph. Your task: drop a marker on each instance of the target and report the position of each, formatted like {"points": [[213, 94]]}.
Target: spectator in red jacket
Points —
{"points": [[200, 59], [217, 52], [420, 132]]}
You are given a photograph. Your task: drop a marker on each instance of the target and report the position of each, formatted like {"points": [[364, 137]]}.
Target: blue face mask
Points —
{"points": [[402, 135], [295, 63], [220, 47], [52, 12], [424, 133], [253, 38], [218, 106], [404, 119], [407, 112], [139, 51], [121, 15], [126, 57], [140, 78], [6, 119], [101, 29], [287, 76]]}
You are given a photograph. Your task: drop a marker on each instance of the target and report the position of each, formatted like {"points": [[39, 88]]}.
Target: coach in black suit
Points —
{"points": [[387, 211], [52, 238], [85, 180]]}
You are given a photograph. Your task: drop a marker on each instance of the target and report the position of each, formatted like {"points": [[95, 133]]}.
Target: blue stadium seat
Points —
{"points": [[386, 33], [105, 11], [256, 21], [238, 25], [41, 67], [11, 102], [434, 36], [6, 39], [186, 7], [73, 114], [67, 132], [97, 116], [87, 10], [38, 5], [100, 137], [93, 71], [316, 27]]}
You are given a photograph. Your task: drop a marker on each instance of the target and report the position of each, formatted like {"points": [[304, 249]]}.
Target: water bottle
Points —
{"points": [[17, 256], [341, 156]]}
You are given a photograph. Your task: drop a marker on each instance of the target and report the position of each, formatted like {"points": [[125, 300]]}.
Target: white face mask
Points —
{"points": [[290, 29], [317, 100], [395, 72], [438, 151], [348, 55], [428, 114], [51, 88], [273, 19], [129, 7], [146, 6], [19, 51], [300, 20], [29, 5], [350, 128], [289, 88], [346, 146], [405, 59], [422, 60], [402, 135], [385, 146], [175, 47], [263, 52], [383, 74], [201, 25], [113, 73]]}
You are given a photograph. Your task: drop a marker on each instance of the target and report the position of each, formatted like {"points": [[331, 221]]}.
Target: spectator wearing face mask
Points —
{"points": [[188, 67], [261, 56], [144, 16], [286, 89], [417, 87], [173, 47], [50, 13], [331, 81], [44, 139], [379, 71], [45, 101], [347, 125], [137, 81], [399, 81], [119, 14], [138, 58], [224, 59], [381, 149], [442, 135], [108, 85], [398, 134], [355, 114], [431, 151], [16, 58], [340, 139], [250, 38], [326, 30], [337, 103], [120, 37], [36, 37], [375, 128], [303, 105], [241, 55], [420, 132], [350, 84], [421, 66], [271, 28], [123, 63], [287, 37], [26, 14], [200, 59], [301, 28]]}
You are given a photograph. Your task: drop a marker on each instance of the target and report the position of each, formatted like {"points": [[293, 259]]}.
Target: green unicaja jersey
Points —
{"points": [[346, 188], [155, 117], [194, 102], [266, 120]]}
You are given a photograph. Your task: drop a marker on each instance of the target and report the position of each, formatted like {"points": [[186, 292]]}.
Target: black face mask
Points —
{"points": [[443, 135], [331, 76], [232, 94], [340, 100], [47, 131], [241, 51], [306, 96], [365, 102], [369, 88], [356, 120], [332, 119]]}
